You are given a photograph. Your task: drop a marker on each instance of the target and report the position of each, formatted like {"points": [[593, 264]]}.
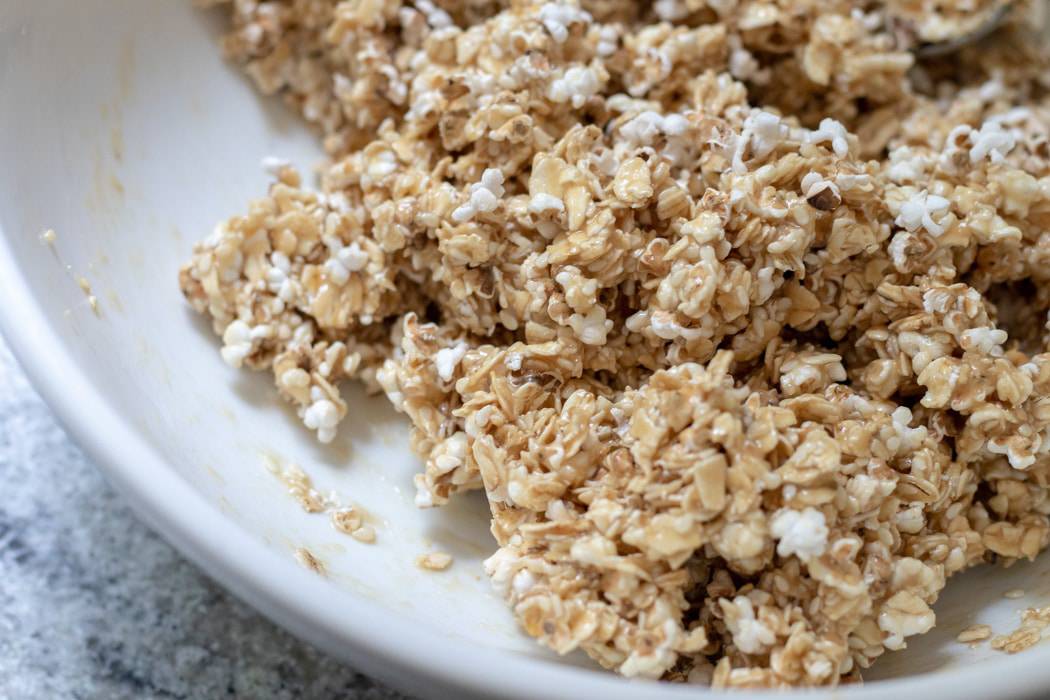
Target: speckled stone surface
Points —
{"points": [[94, 605]]}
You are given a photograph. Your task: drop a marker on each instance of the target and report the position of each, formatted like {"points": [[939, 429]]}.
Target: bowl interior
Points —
{"points": [[123, 130]]}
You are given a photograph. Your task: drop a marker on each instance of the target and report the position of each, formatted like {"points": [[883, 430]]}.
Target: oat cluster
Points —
{"points": [[1033, 623], [736, 310]]}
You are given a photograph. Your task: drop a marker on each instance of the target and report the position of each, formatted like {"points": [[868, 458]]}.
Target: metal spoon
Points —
{"points": [[941, 48]]}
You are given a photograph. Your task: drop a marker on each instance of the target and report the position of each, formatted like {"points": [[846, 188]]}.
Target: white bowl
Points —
{"points": [[122, 129]]}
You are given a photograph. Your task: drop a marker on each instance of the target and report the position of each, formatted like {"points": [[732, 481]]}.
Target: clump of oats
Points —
{"points": [[300, 486], [738, 316], [351, 522], [1030, 632]]}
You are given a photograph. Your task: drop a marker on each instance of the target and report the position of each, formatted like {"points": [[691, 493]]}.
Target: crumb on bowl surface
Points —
{"points": [[434, 561], [974, 634], [736, 311]]}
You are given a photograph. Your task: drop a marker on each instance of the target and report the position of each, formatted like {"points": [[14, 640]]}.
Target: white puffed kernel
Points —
{"points": [[833, 132], [352, 257], [322, 416], [237, 343], [541, 203], [992, 142], [447, 359], [295, 378], [800, 533], [576, 86], [918, 212], [437, 18], [558, 17], [484, 196], [985, 340]]}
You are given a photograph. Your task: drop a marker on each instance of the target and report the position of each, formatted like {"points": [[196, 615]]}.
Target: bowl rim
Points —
{"points": [[385, 643]]}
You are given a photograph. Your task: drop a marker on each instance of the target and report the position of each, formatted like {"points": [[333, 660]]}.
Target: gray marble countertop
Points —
{"points": [[95, 605]]}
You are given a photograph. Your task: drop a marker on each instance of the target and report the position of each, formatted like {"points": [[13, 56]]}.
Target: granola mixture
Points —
{"points": [[736, 310]]}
